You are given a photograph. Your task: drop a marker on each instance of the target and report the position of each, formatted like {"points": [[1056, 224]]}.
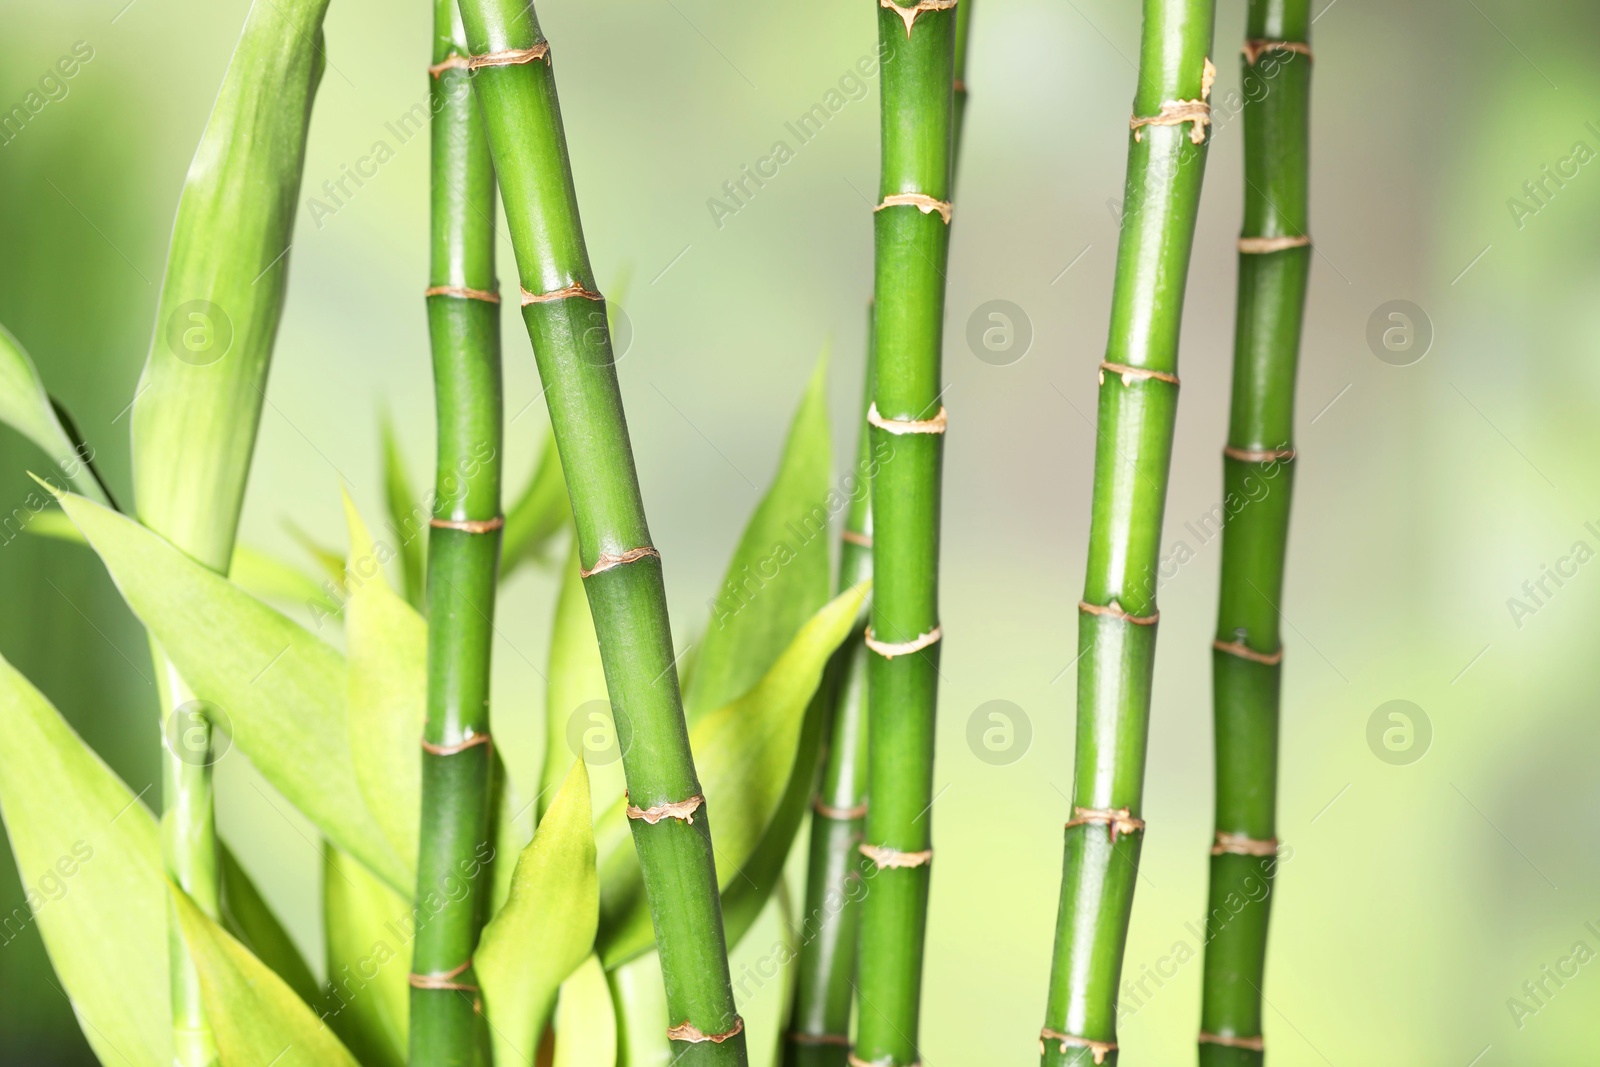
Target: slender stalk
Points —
{"points": [[1258, 475], [566, 320], [912, 239], [1116, 629], [463, 557]]}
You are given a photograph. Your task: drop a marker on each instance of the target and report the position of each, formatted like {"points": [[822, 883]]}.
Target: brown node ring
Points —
{"points": [[575, 289], [1177, 112], [885, 858], [921, 201], [1101, 1049], [908, 15], [443, 979], [1114, 610], [609, 560], [1261, 246], [935, 425], [510, 57], [1130, 375], [1243, 845], [1244, 651], [459, 746], [1260, 455], [827, 811], [796, 1037], [1117, 820], [856, 538], [471, 526], [891, 649], [449, 63], [682, 810], [1256, 45], [1251, 1044], [687, 1031], [486, 295]]}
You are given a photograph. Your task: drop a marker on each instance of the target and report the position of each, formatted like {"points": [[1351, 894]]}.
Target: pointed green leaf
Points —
{"points": [[255, 1016], [746, 754], [639, 993], [539, 514], [89, 854], [586, 1021], [282, 688], [26, 408], [408, 518], [329, 562], [546, 928], [778, 577], [367, 926], [387, 644], [247, 916], [577, 714]]}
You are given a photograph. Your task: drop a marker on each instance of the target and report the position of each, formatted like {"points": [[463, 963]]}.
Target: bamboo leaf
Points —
{"points": [[89, 854], [746, 753], [639, 995], [546, 928], [778, 577], [282, 687], [541, 511], [387, 645], [26, 408], [577, 705], [407, 517], [247, 916], [368, 928], [255, 1016], [586, 1020]]}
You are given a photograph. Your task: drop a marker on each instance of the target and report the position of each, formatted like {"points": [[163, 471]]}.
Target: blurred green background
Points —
{"points": [[1425, 887]]}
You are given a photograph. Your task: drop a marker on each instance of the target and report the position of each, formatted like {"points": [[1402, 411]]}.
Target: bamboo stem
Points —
{"points": [[912, 235], [565, 316], [1258, 473], [1116, 629], [463, 557]]}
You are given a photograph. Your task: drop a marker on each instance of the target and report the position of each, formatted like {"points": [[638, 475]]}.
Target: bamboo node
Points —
{"points": [[1177, 112], [471, 526], [687, 1031], [828, 811], [486, 295], [883, 857], [1136, 374], [608, 560], [797, 1037], [1252, 1044], [1243, 845], [682, 810], [891, 649], [1259, 455], [510, 57], [443, 979], [855, 538], [1261, 246], [1244, 651], [575, 289], [921, 201], [908, 15], [1114, 610], [936, 424], [1256, 45], [449, 63], [1101, 1049], [458, 746], [1118, 820]]}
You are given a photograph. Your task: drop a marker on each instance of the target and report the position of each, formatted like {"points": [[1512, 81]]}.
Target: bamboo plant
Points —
{"points": [[622, 570], [1133, 453], [463, 553], [912, 238], [1247, 656]]}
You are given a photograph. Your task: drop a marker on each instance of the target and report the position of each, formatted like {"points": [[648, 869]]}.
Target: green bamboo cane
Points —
{"points": [[199, 400], [912, 237], [1117, 617], [463, 557], [1258, 475], [622, 571]]}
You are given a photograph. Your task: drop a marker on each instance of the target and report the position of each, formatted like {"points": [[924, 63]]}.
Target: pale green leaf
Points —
{"points": [[408, 518], [639, 994], [368, 929], [541, 511], [247, 916], [577, 708], [26, 408], [89, 854], [778, 576], [586, 1021], [546, 928], [747, 753], [387, 644], [256, 1018], [281, 687]]}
